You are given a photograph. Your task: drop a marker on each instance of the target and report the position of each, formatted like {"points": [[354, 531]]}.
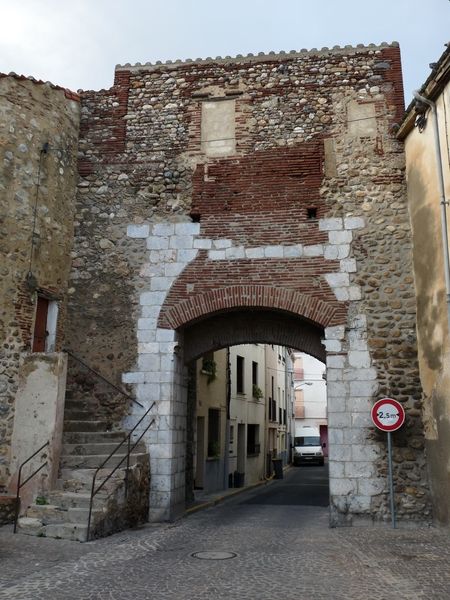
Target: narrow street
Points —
{"points": [[271, 542]]}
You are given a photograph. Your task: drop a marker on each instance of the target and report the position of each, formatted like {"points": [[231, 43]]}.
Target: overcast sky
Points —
{"points": [[77, 43]]}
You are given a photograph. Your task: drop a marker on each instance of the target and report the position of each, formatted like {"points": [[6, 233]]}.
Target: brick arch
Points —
{"points": [[200, 306], [248, 326]]}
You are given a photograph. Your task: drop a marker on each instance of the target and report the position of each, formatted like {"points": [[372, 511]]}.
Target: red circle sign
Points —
{"points": [[388, 414]]}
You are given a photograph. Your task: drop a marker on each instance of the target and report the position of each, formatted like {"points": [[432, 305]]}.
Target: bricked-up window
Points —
{"points": [[218, 128], [44, 334], [213, 433], [253, 445], [239, 374]]}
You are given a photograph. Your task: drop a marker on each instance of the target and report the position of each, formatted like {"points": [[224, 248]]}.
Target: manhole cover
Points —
{"points": [[214, 555]]}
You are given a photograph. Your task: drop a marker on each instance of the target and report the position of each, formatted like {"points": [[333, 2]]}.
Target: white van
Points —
{"points": [[307, 446]]}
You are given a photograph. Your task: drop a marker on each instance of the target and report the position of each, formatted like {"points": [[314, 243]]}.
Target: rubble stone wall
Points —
{"points": [[298, 204], [39, 124]]}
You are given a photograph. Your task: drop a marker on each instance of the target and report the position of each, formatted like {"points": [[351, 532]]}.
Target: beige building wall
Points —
{"points": [[247, 412], [432, 323]]}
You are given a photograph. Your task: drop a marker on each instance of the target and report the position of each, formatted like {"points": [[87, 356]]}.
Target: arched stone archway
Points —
{"points": [[249, 325]]}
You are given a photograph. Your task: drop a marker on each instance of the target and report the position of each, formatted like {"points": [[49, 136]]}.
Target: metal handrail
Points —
{"points": [[20, 485], [113, 385], [130, 449]]}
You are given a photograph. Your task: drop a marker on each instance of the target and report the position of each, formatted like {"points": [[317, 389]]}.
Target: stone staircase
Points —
{"points": [[87, 442]]}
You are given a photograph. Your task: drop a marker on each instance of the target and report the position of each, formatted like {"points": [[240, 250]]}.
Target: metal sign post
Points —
{"points": [[389, 415]]}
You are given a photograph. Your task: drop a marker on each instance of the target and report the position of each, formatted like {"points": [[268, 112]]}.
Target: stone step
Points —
{"points": [[80, 414], [88, 425], [92, 437], [92, 461], [76, 480], [104, 448], [67, 500], [47, 513], [76, 532]]}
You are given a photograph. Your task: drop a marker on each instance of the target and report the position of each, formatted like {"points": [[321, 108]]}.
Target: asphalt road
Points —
{"points": [[301, 486]]}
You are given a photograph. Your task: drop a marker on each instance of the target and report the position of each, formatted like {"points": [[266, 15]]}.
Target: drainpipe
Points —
{"points": [[442, 200]]}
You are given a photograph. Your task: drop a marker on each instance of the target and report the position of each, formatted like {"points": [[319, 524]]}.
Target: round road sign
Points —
{"points": [[388, 414]]}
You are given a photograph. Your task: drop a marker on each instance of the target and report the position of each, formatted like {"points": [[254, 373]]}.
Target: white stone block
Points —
{"points": [[158, 284], [363, 388], [168, 347], [181, 242], [336, 389], [135, 377], [165, 335], [335, 361], [336, 332], [203, 244], [254, 252], [146, 323], [150, 312], [337, 279], [222, 244], [148, 347], [295, 251], [361, 420], [336, 404], [147, 392], [335, 436], [361, 360], [333, 224], [185, 255], [371, 486], [146, 335], [312, 251], [163, 229], [273, 252], [359, 469], [358, 322], [187, 228], [339, 419], [368, 452], [331, 252], [167, 362], [340, 237], [149, 362], [216, 254], [173, 269], [138, 231], [235, 252], [359, 504], [341, 293], [356, 404], [342, 486], [356, 344], [152, 298], [157, 243], [332, 345], [334, 374], [353, 222], [336, 469], [348, 265], [355, 374]]}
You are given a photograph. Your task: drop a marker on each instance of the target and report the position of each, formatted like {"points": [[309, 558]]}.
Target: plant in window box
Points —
{"points": [[257, 392], [209, 368]]}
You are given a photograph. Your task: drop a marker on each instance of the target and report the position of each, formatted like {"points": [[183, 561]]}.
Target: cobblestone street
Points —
{"points": [[282, 550]]}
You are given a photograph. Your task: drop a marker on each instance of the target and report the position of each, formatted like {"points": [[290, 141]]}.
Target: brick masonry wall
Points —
{"points": [[167, 233], [32, 114]]}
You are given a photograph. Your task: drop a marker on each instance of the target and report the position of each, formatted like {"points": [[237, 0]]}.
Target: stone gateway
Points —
{"points": [[253, 199]]}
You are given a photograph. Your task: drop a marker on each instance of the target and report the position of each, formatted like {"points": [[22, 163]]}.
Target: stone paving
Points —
{"points": [[285, 551]]}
